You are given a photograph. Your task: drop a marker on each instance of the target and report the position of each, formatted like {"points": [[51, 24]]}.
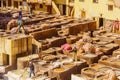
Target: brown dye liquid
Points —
{"points": [[59, 69], [68, 64]]}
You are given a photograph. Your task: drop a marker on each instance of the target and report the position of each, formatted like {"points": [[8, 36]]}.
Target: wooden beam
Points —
{"points": [[12, 3], [67, 7], [1, 3], [55, 8], [6, 3], [72, 12]]}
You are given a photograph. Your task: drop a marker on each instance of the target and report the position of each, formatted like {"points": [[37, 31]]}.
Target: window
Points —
{"points": [[41, 6], [20, 3], [71, 0], [95, 1], [81, 0], [110, 7]]}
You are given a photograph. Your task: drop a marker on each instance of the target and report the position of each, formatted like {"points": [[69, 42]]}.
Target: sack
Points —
{"points": [[116, 25], [66, 47]]}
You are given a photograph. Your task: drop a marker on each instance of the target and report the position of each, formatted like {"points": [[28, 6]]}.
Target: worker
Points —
{"points": [[31, 66], [75, 49], [20, 22], [24, 4], [83, 13], [116, 25], [75, 53], [101, 20], [31, 10]]}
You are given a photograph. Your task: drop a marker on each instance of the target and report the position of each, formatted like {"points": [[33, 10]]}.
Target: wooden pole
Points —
{"points": [[6, 3], [12, 3], [2, 3], [67, 7], [18, 4]]}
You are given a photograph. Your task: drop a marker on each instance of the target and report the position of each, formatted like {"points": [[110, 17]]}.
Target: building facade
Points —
{"points": [[93, 8]]}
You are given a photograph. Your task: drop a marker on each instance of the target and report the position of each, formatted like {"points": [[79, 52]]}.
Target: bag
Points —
{"points": [[116, 25]]}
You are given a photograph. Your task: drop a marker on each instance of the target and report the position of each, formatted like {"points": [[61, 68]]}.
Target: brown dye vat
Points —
{"points": [[102, 43], [59, 73], [88, 72], [44, 47], [57, 49], [50, 58], [107, 50], [80, 35], [100, 77], [67, 70], [109, 34], [105, 39], [41, 69], [71, 40], [45, 34], [54, 41], [49, 51], [23, 62], [104, 69], [75, 28], [79, 76], [43, 42], [115, 53], [68, 65], [112, 45], [105, 62], [59, 69], [80, 65], [117, 72], [117, 41], [96, 39], [96, 66], [61, 56], [99, 54], [115, 63], [90, 58]]}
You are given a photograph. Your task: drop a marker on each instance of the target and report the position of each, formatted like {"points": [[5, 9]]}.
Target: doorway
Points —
{"points": [[83, 14]]}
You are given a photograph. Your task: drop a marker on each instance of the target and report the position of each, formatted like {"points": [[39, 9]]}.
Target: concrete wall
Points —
{"points": [[95, 9]]}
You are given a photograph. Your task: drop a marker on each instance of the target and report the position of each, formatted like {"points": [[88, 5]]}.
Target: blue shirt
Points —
{"points": [[20, 22]]}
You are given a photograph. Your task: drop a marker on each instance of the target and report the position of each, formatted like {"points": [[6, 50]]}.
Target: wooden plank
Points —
{"points": [[55, 8]]}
